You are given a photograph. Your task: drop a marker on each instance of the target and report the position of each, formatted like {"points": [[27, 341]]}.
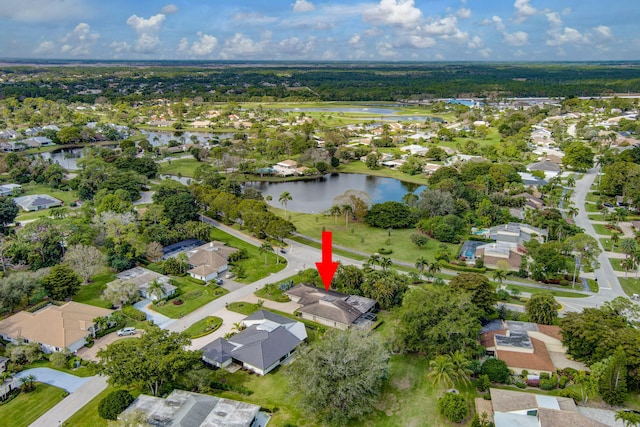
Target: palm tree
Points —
{"points": [[347, 209], [335, 211], [572, 211], [441, 371], [265, 248], [284, 198], [628, 418], [499, 275], [615, 237], [628, 246], [627, 264], [434, 267], [461, 369], [385, 263], [421, 262], [156, 289], [373, 260]]}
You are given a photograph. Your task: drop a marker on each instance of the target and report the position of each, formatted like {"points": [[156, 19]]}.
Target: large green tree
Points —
{"points": [[542, 308], [389, 215], [62, 282], [437, 321], [341, 377], [613, 381], [8, 211], [482, 292], [150, 361], [578, 156]]}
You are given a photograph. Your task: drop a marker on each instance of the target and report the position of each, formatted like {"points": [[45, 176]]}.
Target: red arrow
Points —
{"points": [[326, 268]]}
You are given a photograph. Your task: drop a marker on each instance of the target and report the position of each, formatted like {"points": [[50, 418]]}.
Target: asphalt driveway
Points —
{"points": [[158, 319], [55, 378]]}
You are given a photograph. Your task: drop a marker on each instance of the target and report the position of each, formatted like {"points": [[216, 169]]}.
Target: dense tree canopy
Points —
{"points": [[482, 292], [389, 215]]}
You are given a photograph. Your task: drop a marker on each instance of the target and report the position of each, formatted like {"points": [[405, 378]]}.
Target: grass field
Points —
{"points": [[554, 292], [364, 238], [591, 207], [88, 414], [630, 285], [602, 230], [193, 296], [181, 167], [616, 263], [92, 293], [81, 371], [203, 327], [28, 407], [254, 266]]}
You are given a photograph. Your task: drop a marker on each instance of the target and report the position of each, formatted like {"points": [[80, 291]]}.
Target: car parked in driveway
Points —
{"points": [[126, 331]]}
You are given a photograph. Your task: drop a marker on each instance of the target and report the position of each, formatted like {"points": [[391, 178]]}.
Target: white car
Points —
{"points": [[126, 331]]}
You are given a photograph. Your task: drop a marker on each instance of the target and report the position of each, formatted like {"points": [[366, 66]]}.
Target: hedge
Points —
{"points": [[134, 313], [462, 268], [114, 403]]}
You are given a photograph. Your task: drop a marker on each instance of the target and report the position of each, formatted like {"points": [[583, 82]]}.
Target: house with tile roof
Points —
{"points": [[332, 308], [54, 327], [266, 341], [509, 408], [527, 346], [207, 261]]}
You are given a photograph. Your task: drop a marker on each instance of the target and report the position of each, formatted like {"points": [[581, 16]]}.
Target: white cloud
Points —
{"points": [[441, 26], [120, 47], [603, 32], [464, 13], [554, 18], [303, 6], [204, 46], [568, 35], [45, 48], [385, 49], [169, 9], [295, 47], [241, 46], [80, 41], [42, 10], [496, 21], [475, 42], [423, 42], [485, 53], [355, 39], [393, 12], [147, 30], [523, 10], [518, 38]]}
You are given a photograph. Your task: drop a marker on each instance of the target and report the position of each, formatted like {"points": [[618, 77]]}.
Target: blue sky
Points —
{"points": [[375, 30]]}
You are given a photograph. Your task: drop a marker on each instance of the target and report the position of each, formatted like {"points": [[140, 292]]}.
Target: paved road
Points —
{"points": [[72, 403]]}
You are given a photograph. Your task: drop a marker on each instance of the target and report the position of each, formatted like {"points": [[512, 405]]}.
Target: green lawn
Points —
{"points": [[336, 251], [28, 407], [630, 285], [82, 371], [245, 308], [92, 293], [607, 244], [180, 167], [554, 292], [193, 296], [254, 266], [88, 414], [203, 327], [273, 293], [616, 263], [596, 217], [591, 207], [364, 238], [592, 197], [601, 229]]}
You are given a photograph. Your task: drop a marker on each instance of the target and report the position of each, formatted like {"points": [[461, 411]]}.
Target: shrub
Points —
{"points": [[453, 407], [563, 381], [549, 384], [134, 313], [58, 359], [385, 251], [496, 370], [483, 382], [571, 393], [520, 384], [114, 403], [544, 376]]}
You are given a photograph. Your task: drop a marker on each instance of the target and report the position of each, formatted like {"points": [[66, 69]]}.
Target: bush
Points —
{"points": [[385, 251], [453, 407], [563, 381], [496, 370], [520, 384], [483, 383], [450, 266], [111, 406], [549, 384], [571, 393], [134, 313], [58, 359]]}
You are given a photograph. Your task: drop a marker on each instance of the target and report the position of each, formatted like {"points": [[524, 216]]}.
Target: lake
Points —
{"points": [[314, 196], [162, 138]]}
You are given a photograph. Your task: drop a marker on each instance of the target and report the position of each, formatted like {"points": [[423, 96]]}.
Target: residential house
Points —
{"points": [[200, 123], [508, 408], [550, 169], [10, 189], [187, 409], [492, 253], [430, 168], [3, 363], [414, 149], [286, 167], [143, 278], [9, 134], [516, 234], [527, 346], [530, 201], [53, 327], [7, 386], [530, 180], [209, 260], [37, 142], [37, 202], [266, 341], [331, 308]]}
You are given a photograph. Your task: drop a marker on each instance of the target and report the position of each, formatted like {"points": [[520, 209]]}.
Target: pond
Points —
{"points": [[364, 110], [66, 157], [314, 196]]}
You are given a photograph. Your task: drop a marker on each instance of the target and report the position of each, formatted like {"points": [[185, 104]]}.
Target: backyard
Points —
{"points": [[193, 296]]}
